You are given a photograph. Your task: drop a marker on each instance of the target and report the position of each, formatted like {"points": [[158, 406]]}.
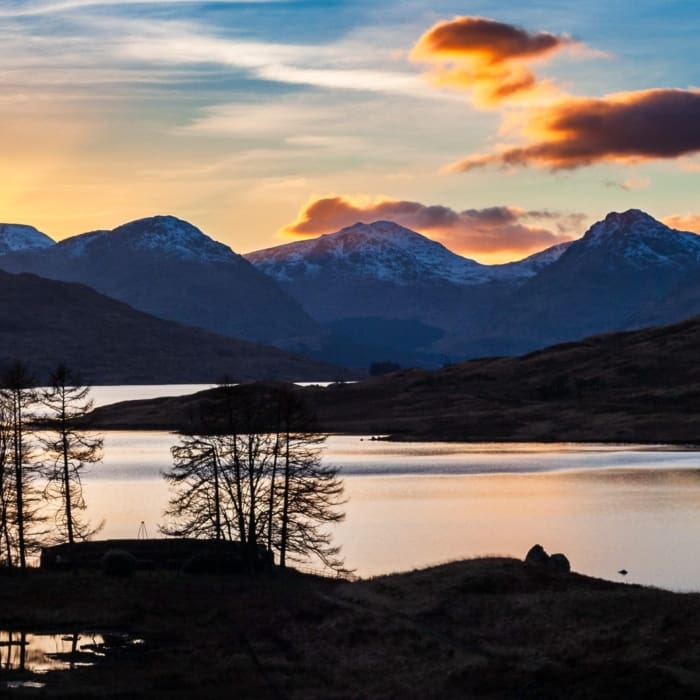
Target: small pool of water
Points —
{"points": [[41, 653]]}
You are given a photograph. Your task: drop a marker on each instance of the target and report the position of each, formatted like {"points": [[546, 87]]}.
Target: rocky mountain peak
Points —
{"points": [[632, 223], [640, 239]]}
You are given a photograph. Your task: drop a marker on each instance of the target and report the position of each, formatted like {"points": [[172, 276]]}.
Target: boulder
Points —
{"points": [[560, 562], [537, 555]]}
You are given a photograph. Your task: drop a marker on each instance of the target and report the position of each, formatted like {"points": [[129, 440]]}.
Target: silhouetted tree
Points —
{"points": [[199, 507], [18, 395], [68, 450], [309, 493], [6, 490], [255, 474]]}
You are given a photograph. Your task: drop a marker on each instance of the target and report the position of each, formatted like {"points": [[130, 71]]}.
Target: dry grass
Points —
{"points": [[488, 628]]}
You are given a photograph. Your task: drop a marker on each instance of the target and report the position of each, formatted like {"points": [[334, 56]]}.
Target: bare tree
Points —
{"points": [[6, 486], [254, 473], [199, 507], [68, 450], [18, 395], [309, 493]]}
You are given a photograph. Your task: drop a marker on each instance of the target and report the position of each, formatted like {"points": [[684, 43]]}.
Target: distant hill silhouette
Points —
{"points": [[43, 322], [641, 386]]}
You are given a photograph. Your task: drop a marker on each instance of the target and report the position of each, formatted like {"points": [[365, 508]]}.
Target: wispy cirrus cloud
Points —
{"points": [[139, 46], [626, 127], [487, 233], [490, 59], [30, 8], [331, 66]]}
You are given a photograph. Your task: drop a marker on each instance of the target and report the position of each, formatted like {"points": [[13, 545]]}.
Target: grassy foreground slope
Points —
{"points": [[488, 628]]}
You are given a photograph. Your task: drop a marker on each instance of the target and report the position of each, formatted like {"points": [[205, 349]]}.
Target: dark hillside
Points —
{"points": [[635, 386], [43, 322], [485, 628]]}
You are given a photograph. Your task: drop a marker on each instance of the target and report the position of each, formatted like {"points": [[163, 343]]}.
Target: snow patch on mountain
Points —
{"points": [[15, 238], [641, 240], [530, 266], [166, 236], [386, 251], [382, 250]]}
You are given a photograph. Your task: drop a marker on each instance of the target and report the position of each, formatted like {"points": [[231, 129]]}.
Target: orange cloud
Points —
{"points": [[625, 127], [488, 57], [688, 222], [494, 233]]}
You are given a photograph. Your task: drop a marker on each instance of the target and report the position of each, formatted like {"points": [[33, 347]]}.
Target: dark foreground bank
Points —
{"points": [[491, 628]]}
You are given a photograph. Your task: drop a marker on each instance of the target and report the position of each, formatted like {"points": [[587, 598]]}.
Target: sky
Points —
{"points": [[498, 129]]}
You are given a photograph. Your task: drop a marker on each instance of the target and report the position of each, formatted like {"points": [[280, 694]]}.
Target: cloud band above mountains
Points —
{"points": [[626, 127], [491, 231]]}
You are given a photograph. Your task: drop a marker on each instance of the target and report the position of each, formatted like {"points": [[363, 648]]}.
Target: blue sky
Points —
{"points": [[241, 116]]}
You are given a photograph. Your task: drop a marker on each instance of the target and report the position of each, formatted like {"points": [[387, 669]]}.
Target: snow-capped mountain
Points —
{"points": [[634, 238], [381, 291], [386, 284], [378, 271], [382, 251], [392, 287], [169, 268], [387, 252], [166, 236], [18, 237], [627, 271]]}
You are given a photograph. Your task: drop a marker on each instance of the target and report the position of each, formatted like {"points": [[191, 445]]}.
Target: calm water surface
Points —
{"points": [[412, 505]]}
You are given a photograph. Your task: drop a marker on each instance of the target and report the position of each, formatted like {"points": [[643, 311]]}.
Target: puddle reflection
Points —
{"points": [[41, 653]]}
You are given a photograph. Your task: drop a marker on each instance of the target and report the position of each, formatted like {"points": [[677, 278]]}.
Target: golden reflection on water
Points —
{"points": [[41, 653], [413, 505], [647, 523]]}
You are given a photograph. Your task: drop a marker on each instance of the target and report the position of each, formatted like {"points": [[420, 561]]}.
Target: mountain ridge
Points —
{"points": [[380, 291], [167, 267]]}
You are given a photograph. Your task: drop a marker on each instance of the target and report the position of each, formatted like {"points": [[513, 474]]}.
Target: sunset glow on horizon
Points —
{"points": [[498, 132]]}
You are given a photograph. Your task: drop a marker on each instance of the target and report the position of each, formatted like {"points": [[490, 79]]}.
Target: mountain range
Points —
{"points": [[169, 268], [380, 291], [627, 271]]}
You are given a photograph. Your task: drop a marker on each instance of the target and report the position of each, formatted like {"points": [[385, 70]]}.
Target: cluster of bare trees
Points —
{"points": [[42, 456], [253, 473]]}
